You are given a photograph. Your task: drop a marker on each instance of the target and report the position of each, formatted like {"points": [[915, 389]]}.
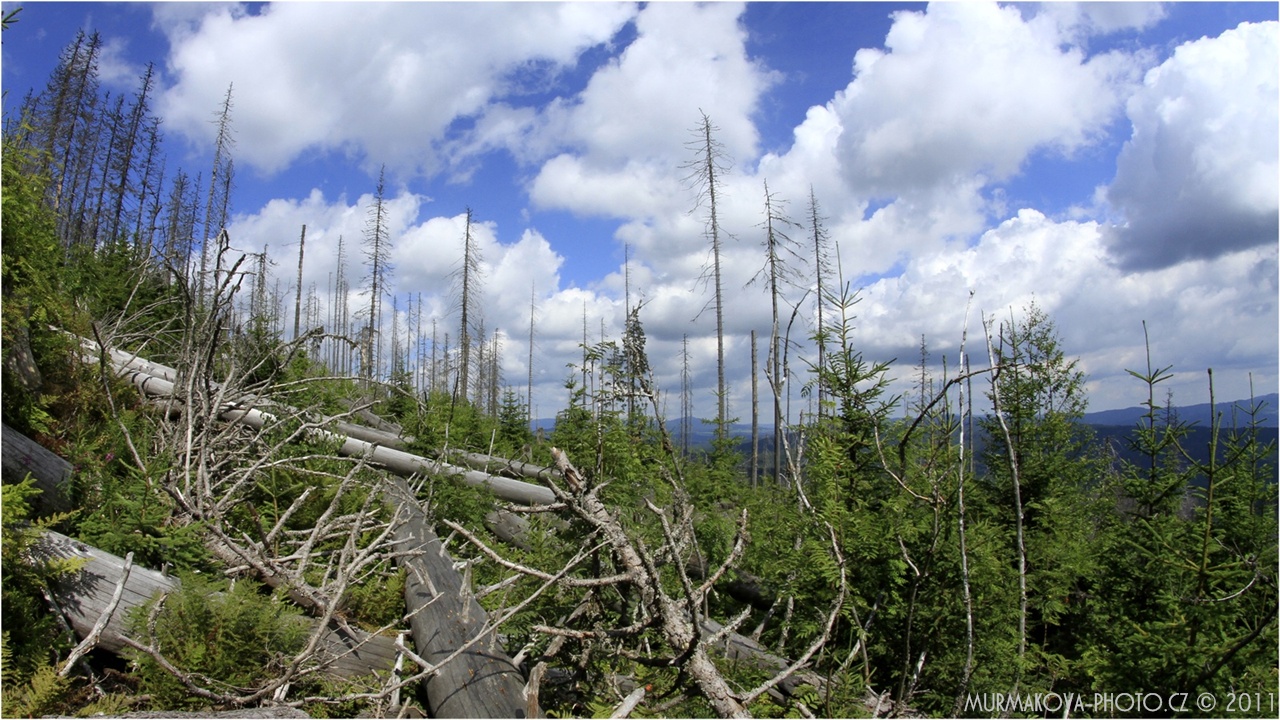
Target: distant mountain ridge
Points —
{"points": [[1201, 414]]}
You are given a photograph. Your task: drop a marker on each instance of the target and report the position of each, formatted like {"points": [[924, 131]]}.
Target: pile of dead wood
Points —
{"points": [[465, 670]]}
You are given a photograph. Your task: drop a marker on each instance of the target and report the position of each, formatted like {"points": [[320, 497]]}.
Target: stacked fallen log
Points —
{"points": [[157, 380], [266, 713], [384, 436]]}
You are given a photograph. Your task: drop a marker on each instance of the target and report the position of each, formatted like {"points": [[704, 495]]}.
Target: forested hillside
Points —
{"points": [[277, 487]]}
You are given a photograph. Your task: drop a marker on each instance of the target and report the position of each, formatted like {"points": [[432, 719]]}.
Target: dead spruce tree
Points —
{"points": [[779, 270], [377, 249], [467, 289], [710, 163], [218, 202], [821, 271]]}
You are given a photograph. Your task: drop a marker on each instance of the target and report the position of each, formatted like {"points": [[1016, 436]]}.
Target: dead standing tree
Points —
{"points": [[706, 171], [377, 249], [466, 278], [779, 270]]}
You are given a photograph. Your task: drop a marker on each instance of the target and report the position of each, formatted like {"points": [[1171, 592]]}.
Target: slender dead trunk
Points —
{"points": [[297, 302], [755, 414]]}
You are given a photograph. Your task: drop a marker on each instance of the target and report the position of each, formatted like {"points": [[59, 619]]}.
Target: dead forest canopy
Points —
{"points": [[875, 558]]}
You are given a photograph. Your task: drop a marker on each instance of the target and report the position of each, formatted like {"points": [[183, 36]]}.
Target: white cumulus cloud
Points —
{"points": [[1200, 175], [637, 112], [383, 80], [965, 89]]}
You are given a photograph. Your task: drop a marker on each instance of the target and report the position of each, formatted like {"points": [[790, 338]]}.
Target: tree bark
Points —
{"points": [[22, 456], [85, 594], [481, 682]]}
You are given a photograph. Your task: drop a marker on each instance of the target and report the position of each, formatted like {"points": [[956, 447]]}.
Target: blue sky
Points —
{"points": [[1114, 163]]}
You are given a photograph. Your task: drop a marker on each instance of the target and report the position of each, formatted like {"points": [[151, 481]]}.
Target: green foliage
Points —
{"points": [[31, 635], [29, 267], [855, 389], [378, 600], [513, 426], [1043, 480], [441, 422], [133, 515], [234, 635], [1157, 576], [1188, 601], [131, 511], [331, 689], [46, 694]]}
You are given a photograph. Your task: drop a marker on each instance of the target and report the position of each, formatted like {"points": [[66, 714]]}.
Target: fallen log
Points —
{"points": [[264, 713], [739, 648], [380, 446], [504, 466], [397, 461], [374, 421], [481, 681], [743, 586], [373, 435], [83, 595], [394, 460], [22, 456]]}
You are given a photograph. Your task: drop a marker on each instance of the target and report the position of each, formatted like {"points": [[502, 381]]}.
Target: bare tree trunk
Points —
{"points": [[212, 221], [468, 278], [51, 474], [755, 415], [997, 410], [674, 618], [821, 259], [481, 682], [377, 250], [297, 303], [686, 396], [528, 397], [706, 170]]}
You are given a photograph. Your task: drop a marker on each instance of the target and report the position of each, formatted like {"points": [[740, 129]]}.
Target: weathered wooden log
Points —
{"points": [[504, 466], [743, 586], [740, 648], [22, 456], [507, 526], [20, 362], [398, 461], [407, 464], [126, 360], [372, 420], [481, 681], [263, 713], [84, 595], [373, 435], [156, 379]]}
